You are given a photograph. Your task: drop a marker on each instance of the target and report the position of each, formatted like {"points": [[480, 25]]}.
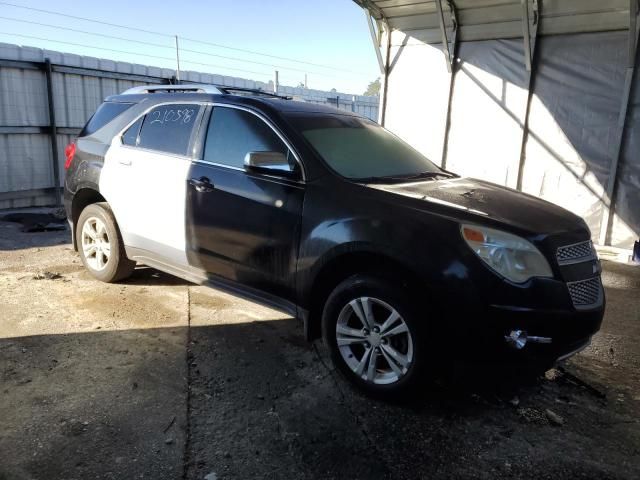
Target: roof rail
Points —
{"points": [[201, 88], [195, 88], [253, 91]]}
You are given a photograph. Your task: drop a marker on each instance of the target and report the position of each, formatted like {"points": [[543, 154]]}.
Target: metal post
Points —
{"points": [[177, 60], [531, 63], [306, 85], [387, 70], [443, 31], [375, 39], [53, 132], [451, 67], [526, 34], [353, 103], [276, 81], [609, 198], [447, 125]]}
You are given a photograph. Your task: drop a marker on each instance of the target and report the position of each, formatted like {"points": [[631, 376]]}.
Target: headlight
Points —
{"points": [[511, 256]]}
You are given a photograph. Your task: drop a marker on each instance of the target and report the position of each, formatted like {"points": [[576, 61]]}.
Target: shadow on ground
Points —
{"points": [[262, 404]]}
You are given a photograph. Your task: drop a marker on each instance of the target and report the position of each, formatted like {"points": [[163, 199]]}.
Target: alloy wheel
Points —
{"points": [[95, 243], [374, 340]]}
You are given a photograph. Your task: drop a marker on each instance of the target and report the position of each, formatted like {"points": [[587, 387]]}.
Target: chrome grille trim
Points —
{"points": [[586, 293], [576, 253]]}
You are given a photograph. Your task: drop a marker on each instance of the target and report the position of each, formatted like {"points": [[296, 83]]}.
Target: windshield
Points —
{"points": [[360, 149]]}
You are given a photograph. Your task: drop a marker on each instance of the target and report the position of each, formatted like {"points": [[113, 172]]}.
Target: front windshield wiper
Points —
{"points": [[404, 178], [418, 176]]}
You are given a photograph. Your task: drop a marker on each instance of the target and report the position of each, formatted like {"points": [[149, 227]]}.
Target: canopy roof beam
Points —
{"points": [[530, 17], [449, 40], [375, 29]]}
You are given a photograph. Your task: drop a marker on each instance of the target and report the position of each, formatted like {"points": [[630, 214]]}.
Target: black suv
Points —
{"points": [[327, 216]]}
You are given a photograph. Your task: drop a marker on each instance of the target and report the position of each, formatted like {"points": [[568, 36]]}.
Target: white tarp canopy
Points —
{"points": [[537, 95]]}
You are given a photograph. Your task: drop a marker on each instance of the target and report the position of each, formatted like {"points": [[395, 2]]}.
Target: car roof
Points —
{"points": [[278, 104]]}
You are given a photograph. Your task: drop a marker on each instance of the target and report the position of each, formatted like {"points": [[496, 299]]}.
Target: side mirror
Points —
{"points": [[271, 163]]}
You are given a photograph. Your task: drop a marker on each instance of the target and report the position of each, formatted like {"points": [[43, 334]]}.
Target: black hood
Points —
{"points": [[487, 200]]}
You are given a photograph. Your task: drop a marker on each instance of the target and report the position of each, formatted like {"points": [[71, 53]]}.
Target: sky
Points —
{"points": [[331, 34]]}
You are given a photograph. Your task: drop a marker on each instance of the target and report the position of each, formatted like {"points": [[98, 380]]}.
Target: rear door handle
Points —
{"points": [[202, 184], [125, 161]]}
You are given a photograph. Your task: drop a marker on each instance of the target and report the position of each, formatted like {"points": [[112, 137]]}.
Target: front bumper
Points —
{"points": [[546, 335]]}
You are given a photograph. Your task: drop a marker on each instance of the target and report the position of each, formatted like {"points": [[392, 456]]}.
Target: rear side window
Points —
{"points": [[104, 114], [130, 137], [232, 133], [168, 128]]}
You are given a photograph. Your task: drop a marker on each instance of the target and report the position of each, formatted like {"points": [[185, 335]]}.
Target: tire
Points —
{"points": [[100, 244], [400, 357]]}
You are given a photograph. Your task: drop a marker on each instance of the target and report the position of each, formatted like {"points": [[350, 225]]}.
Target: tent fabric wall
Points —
{"points": [[419, 86], [573, 121], [488, 111], [626, 219]]}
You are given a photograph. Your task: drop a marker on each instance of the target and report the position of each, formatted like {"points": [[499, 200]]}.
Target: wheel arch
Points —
{"points": [[83, 197], [343, 265]]}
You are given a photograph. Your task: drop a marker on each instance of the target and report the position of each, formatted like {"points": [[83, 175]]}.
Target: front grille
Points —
{"points": [[578, 252], [585, 293]]}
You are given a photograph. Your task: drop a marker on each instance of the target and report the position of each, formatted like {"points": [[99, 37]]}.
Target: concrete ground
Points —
{"points": [[157, 378]]}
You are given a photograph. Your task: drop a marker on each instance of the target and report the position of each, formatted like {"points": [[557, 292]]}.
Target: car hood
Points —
{"points": [[487, 200]]}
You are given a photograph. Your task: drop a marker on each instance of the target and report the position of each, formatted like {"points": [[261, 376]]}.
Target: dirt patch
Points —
{"points": [[38, 222]]}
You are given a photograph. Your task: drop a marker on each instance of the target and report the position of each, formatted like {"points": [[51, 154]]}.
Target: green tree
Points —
{"points": [[374, 88]]}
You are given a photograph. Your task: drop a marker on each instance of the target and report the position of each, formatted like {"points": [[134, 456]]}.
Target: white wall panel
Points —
{"points": [[418, 90], [488, 111], [573, 121]]}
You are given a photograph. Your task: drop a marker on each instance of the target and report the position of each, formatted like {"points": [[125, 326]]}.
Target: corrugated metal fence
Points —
{"points": [[30, 141]]}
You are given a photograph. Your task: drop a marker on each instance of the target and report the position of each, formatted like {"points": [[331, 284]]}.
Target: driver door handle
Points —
{"points": [[202, 184]]}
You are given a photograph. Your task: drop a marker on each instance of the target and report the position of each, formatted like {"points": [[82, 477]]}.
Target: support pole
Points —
{"points": [[375, 39], [531, 62], [616, 153], [443, 31], [451, 67], [276, 81], [53, 134], [387, 70], [177, 60], [526, 34]]}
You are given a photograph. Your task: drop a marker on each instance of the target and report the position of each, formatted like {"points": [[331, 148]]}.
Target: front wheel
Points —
{"points": [[374, 335]]}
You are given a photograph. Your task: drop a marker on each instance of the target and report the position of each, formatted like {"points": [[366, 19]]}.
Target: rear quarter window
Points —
{"points": [[130, 137], [104, 114]]}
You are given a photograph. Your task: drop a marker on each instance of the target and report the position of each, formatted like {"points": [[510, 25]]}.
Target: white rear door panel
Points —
{"points": [[147, 193]]}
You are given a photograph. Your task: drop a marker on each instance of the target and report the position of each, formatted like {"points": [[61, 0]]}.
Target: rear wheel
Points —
{"points": [[374, 336], [100, 244]]}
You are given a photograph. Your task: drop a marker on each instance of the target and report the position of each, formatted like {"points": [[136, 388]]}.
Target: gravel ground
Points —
{"points": [[158, 378]]}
